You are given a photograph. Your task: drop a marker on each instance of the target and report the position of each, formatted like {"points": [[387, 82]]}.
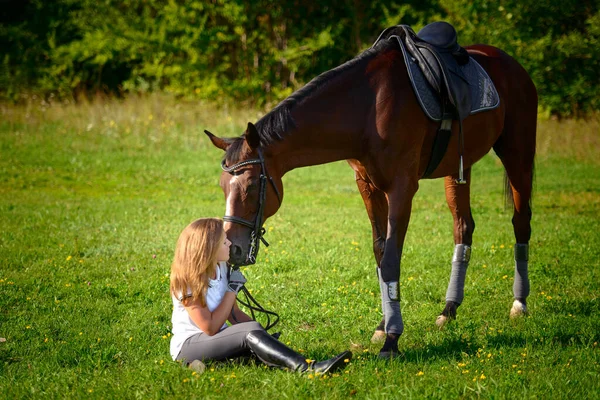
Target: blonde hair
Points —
{"points": [[195, 259]]}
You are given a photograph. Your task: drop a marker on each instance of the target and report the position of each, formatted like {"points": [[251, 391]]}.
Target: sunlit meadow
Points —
{"points": [[94, 195]]}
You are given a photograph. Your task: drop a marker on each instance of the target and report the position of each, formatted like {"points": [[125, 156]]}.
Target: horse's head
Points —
{"points": [[253, 192]]}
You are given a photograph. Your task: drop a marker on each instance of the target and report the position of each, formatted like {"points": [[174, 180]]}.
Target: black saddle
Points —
{"points": [[443, 36], [448, 83], [439, 56]]}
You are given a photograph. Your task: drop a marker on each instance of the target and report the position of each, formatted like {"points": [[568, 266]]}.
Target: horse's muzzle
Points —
{"points": [[237, 256]]}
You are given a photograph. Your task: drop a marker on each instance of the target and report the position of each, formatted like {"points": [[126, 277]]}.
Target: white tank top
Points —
{"points": [[183, 326]]}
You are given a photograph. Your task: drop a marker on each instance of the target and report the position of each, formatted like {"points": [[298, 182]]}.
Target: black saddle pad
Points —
{"points": [[484, 95]]}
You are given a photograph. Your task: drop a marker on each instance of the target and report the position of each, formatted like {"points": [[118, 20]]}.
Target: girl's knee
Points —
{"points": [[252, 326]]}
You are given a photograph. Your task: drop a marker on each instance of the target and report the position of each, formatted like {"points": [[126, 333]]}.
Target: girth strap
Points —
{"points": [[440, 145]]}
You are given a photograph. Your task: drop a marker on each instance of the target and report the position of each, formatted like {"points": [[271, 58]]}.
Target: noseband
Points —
{"points": [[257, 231]]}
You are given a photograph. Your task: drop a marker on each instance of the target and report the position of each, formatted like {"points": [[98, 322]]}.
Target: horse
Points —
{"points": [[365, 111]]}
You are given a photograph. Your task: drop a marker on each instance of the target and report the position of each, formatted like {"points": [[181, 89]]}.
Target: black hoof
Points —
{"points": [[390, 347], [388, 355], [450, 310]]}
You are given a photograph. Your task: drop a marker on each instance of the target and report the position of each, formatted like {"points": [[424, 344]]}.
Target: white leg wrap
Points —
{"points": [[390, 301], [521, 283], [460, 262]]}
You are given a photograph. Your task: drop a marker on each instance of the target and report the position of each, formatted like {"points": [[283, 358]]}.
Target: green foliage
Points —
{"points": [[260, 51]]}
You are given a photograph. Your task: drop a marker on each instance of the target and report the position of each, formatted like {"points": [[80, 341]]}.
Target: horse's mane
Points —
{"points": [[278, 122], [275, 124]]}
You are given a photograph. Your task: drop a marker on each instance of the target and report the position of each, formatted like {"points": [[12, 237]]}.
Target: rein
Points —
{"points": [[253, 305], [256, 234]]}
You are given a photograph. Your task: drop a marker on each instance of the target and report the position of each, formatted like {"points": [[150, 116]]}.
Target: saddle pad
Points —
{"points": [[483, 92]]}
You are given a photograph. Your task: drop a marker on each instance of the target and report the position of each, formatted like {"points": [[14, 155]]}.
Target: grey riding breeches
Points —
{"points": [[228, 343]]}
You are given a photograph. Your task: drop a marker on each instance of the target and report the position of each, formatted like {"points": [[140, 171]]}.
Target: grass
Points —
{"points": [[94, 196]]}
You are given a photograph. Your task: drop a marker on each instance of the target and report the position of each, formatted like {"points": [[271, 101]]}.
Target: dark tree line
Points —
{"points": [[260, 51]]}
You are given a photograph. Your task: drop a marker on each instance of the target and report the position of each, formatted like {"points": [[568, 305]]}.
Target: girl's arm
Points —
{"points": [[211, 322], [240, 316]]}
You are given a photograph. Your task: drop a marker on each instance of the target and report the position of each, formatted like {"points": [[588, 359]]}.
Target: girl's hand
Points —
{"points": [[236, 281]]}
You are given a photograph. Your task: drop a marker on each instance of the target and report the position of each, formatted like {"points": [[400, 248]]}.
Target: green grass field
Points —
{"points": [[93, 199]]}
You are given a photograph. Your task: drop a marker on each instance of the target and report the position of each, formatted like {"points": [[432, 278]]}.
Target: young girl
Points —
{"points": [[204, 297]]}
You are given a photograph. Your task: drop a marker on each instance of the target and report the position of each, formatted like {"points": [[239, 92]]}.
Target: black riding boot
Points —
{"points": [[275, 354]]}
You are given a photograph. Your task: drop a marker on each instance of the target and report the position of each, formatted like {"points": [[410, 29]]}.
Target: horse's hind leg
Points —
{"points": [[458, 199], [519, 169]]}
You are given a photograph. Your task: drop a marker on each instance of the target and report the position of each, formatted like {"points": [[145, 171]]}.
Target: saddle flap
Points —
{"points": [[441, 68]]}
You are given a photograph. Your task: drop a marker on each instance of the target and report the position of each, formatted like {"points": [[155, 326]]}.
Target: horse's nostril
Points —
{"points": [[235, 250]]}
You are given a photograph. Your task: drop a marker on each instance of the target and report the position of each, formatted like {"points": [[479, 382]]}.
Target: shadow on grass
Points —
{"points": [[454, 349], [578, 308]]}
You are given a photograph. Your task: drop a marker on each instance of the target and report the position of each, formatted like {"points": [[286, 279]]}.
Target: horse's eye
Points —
{"points": [[252, 187]]}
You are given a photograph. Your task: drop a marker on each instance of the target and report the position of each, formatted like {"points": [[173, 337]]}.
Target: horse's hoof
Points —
{"points": [[441, 320], [388, 355], [518, 309], [378, 337]]}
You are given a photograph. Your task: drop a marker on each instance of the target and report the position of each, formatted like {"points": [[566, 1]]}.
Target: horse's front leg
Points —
{"points": [[377, 210], [399, 206], [458, 199]]}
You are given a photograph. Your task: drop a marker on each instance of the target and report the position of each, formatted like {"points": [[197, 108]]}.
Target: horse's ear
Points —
{"points": [[217, 141], [251, 136]]}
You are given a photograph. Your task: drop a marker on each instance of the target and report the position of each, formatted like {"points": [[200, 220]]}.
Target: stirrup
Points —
{"points": [[461, 179]]}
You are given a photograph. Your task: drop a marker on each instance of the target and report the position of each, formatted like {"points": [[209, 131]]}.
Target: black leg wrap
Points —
{"points": [[390, 272]]}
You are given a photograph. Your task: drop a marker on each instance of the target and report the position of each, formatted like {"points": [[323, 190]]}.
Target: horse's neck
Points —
{"points": [[329, 125], [300, 155]]}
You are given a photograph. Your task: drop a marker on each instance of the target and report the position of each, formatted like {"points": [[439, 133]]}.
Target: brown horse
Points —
{"points": [[365, 111]]}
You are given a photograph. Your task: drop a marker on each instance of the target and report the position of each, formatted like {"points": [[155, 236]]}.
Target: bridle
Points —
{"points": [[257, 231], [256, 234]]}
